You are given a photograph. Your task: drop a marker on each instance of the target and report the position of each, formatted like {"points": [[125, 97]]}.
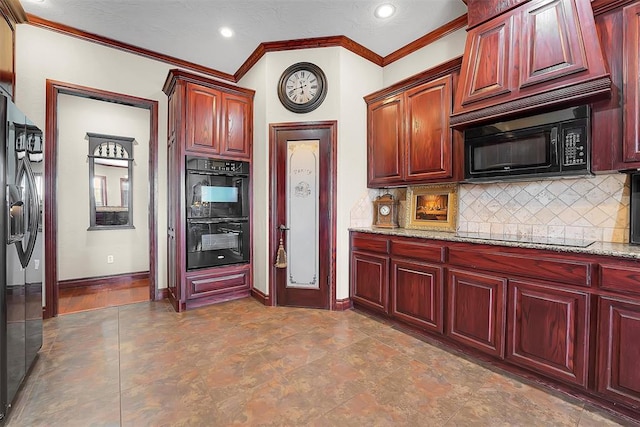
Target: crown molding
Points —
{"points": [[74, 32], [333, 41], [13, 11], [446, 29], [260, 51]]}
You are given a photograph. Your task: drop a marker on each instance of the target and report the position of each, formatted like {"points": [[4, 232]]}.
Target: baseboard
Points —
{"points": [[260, 297], [343, 304], [162, 294], [103, 280]]}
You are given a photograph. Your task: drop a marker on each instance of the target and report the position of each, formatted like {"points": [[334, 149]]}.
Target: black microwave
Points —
{"points": [[552, 144]]}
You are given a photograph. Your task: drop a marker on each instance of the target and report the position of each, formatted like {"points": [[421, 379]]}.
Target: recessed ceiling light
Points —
{"points": [[385, 10], [226, 32]]}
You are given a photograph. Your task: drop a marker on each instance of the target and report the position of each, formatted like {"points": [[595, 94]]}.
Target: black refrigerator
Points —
{"points": [[21, 254]]}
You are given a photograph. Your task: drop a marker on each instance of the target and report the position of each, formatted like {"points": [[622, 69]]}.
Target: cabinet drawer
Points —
{"points": [[369, 243], [420, 251], [622, 278], [571, 272], [212, 284]]}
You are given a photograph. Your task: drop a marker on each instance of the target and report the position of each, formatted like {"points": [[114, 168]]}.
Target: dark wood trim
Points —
{"points": [[587, 90], [260, 51], [261, 297], [74, 32], [102, 280], [13, 10], [53, 89], [438, 71], [333, 41], [427, 39], [161, 294], [603, 6], [274, 129], [343, 304]]}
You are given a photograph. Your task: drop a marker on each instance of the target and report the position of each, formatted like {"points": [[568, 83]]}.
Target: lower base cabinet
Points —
{"points": [[370, 281], [476, 307], [416, 294], [619, 351], [547, 330], [570, 319]]}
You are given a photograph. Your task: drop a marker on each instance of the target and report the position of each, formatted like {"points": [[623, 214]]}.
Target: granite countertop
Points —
{"points": [[621, 250]]}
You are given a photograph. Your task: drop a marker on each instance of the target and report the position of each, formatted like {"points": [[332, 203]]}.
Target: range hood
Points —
{"points": [[538, 55]]}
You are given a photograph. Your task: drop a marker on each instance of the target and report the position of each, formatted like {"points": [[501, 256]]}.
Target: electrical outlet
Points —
{"points": [[109, 259], [36, 264]]}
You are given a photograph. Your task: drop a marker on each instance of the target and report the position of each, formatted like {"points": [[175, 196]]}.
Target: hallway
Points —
{"points": [[241, 363]]}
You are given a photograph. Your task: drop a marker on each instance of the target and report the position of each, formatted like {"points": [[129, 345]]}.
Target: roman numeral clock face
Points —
{"points": [[302, 87]]}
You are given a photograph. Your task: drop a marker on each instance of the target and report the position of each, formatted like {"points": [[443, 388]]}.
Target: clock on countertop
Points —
{"points": [[302, 87], [385, 212]]}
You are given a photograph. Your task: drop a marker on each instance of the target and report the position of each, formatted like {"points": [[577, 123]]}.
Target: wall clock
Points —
{"points": [[302, 87]]}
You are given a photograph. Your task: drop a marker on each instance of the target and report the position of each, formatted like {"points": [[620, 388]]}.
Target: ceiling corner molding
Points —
{"points": [[603, 6], [13, 10], [83, 35], [446, 29], [332, 41]]}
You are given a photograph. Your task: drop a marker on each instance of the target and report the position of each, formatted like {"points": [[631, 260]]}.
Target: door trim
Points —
{"points": [[53, 89], [274, 130]]}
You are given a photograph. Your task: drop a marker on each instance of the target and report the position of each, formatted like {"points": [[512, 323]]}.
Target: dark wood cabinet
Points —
{"points": [[202, 119], [385, 142], [631, 79], [619, 351], [547, 330], [476, 310], [570, 319], [428, 140], [540, 54], [236, 134], [416, 294], [370, 280], [488, 62], [210, 119], [409, 140]]}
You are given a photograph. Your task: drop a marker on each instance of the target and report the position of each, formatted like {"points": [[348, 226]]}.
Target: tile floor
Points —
{"points": [[240, 363]]}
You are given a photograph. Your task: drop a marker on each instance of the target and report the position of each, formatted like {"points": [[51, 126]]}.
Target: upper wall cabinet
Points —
{"points": [[409, 140], [11, 14], [540, 54], [631, 73], [216, 118]]}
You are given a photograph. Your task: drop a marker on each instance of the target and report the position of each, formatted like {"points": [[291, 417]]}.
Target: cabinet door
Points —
{"points": [[547, 330], [236, 126], [487, 62], [619, 350], [203, 105], [631, 78], [370, 280], [385, 142], [551, 44], [428, 133], [476, 310], [416, 294]]}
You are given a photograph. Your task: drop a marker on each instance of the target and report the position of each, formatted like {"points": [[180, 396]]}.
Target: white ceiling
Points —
{"points": [[188, 29]]}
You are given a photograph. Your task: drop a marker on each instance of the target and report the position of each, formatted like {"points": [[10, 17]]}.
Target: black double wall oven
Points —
{"points": [[217, 217]]}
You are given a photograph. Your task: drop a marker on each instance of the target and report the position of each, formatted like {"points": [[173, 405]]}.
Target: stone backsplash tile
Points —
{"points": [[594, 208]]}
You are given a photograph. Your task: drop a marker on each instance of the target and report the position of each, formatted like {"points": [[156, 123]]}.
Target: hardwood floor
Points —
{"points": [[84, 298]]}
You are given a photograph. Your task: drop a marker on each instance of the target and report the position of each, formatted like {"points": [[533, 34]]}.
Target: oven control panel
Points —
{"points": [[575, 147]]}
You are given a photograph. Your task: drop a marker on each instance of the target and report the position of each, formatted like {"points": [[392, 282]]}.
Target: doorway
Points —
{"points": [[302, 220], [53, 90]]}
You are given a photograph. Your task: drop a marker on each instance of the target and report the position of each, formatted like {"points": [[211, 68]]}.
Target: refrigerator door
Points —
{"points": [[14, 290], [30, 207]]}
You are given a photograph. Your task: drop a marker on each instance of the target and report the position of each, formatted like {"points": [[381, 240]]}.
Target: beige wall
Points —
{"points": [[83, 253], [43, 54], [349, 78]]}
